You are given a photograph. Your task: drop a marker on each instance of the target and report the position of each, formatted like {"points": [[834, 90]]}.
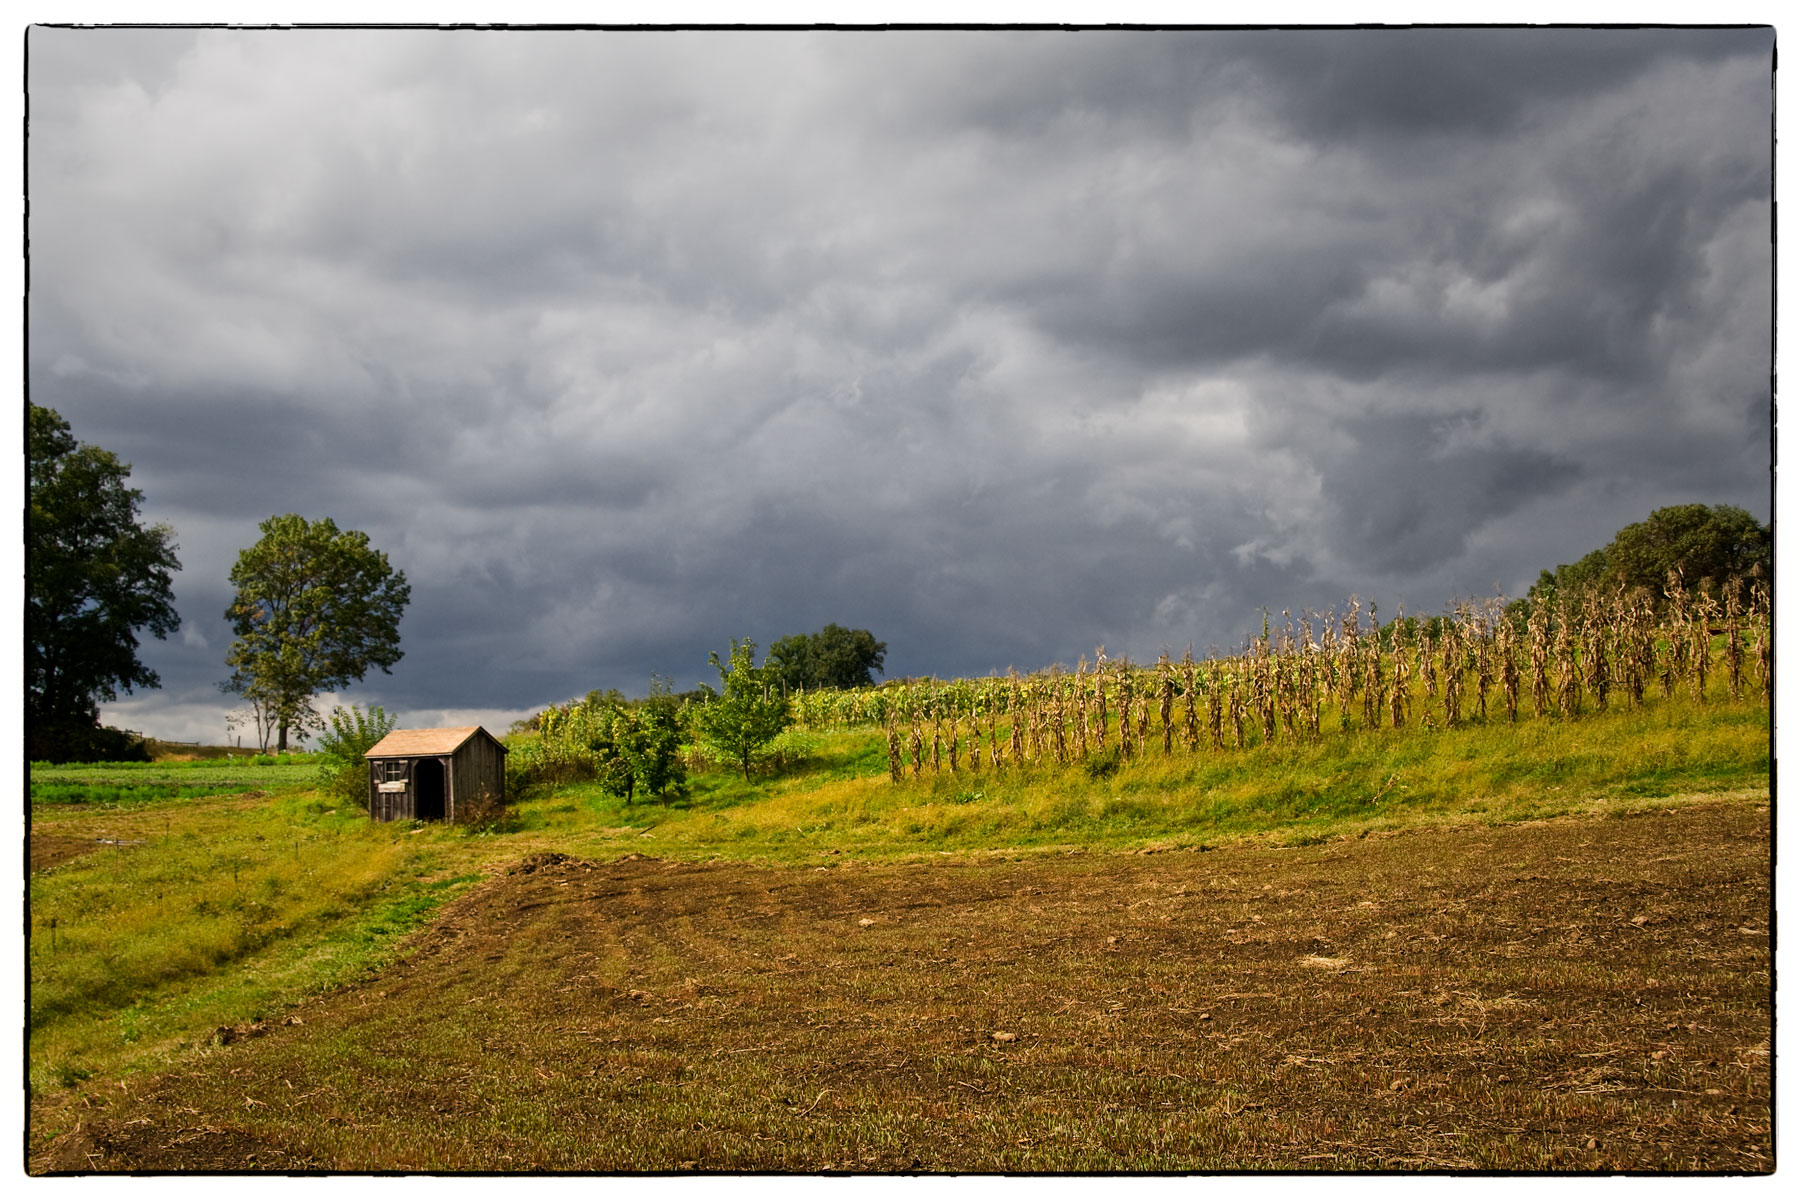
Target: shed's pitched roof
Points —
{"points": [[404, 743]]}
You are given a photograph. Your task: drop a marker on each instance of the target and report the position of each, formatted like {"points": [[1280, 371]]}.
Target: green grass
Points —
{"points": [[112, 785], [173, 914], [842, 800], [244, 773], [117, 795], [201, 912]]}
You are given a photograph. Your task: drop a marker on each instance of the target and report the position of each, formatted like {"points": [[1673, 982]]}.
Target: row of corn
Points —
{"points": [[1484, 661]]}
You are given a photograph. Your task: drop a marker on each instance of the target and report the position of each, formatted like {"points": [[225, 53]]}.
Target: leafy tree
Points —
{"points": [[834, 657], [94, 578], [613, 770], [636, 745], [315, 608], [647, 737], [749, 713], [349, 734], [1704, 543]]}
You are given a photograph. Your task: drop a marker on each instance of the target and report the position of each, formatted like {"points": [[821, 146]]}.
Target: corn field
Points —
{"points": [[1307, 678]]}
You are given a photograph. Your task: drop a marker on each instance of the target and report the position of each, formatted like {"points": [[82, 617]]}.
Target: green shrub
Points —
{"points": [[575, 743], [349, 735], [535, 764], [644, 753]]}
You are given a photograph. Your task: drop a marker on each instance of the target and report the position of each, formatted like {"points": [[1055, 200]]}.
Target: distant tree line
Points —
{"points": [[315, 607], [1708, 545]]}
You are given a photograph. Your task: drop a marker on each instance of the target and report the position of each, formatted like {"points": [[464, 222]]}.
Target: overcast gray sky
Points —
{"points": [[1001, 345]]}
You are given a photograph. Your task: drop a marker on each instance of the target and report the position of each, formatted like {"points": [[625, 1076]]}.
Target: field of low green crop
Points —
{"points": [[114, 785], [245, 773]]}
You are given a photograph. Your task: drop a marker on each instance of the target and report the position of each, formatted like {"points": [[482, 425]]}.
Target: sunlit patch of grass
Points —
{"points": [[199, 913], [267, 773], [1346, 782]]}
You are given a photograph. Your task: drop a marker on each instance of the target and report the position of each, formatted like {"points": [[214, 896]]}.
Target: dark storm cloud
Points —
{"points": [[1543, 244], [1429, 83], [1002, 346], [1403, 499]]}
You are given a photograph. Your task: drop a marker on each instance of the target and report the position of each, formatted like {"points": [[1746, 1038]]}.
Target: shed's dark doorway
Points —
{"points": [[428, 789]]}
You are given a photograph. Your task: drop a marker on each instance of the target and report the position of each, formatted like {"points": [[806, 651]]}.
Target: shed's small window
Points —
{"points": [[393, 771]]}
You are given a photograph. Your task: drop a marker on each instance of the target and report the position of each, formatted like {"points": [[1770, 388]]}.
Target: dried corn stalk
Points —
{"points": [[1401, 700], [1167, 672]]}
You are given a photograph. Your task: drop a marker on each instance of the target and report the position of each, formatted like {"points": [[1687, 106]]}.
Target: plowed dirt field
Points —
{"points": [[1588, 994]]}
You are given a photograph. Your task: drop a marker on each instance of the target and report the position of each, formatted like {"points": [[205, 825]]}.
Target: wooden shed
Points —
{"points": [[428, 774]]}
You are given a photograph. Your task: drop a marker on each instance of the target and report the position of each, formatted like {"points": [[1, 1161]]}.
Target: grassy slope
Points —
{"points": [[1348, 783], [199, 913]]}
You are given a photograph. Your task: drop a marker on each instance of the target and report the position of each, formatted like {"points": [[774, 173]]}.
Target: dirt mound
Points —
{"points": [[548, 860]]}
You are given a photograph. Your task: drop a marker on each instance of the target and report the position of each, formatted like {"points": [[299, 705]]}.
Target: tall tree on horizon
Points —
{"points": [[1710, 543], [315, 608], [833, 657], [94, 577]]}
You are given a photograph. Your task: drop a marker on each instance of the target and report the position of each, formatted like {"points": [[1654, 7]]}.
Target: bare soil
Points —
{"points": [[52, 849], [1587, 994]]}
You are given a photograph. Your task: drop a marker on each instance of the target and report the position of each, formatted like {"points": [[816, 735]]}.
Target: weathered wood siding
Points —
{"points": [[479, 766], [390, 806]]}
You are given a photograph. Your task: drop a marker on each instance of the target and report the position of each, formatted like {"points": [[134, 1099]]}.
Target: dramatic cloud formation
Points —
{"points": [[1001, 345]]}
